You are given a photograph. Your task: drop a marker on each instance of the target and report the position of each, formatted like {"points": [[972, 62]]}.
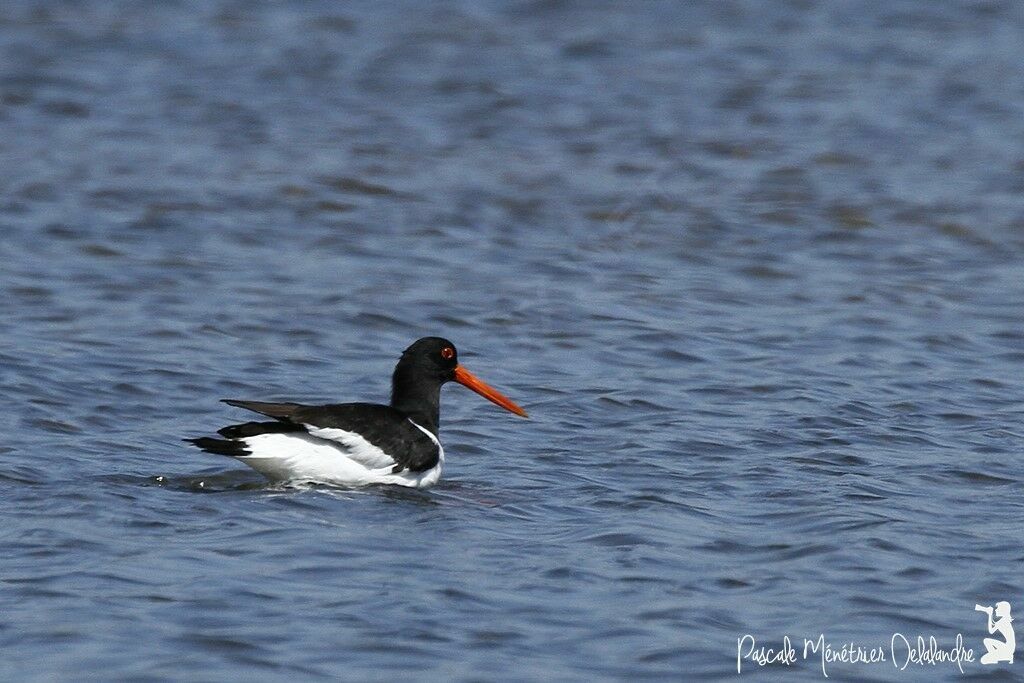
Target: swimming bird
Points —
{"points": [[356, 444]]}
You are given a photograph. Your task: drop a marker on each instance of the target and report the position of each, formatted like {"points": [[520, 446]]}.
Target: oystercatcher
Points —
{"points": [[355, 444]]}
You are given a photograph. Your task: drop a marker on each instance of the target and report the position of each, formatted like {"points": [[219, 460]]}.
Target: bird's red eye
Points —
{"points": [[447, 353]]}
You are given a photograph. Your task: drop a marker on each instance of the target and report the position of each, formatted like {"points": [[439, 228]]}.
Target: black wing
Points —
{"points": [[383, 426], [281, 411], [231, 444]]}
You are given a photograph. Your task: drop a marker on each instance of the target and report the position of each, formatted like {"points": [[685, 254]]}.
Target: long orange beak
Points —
{"points": [[469, 380]]}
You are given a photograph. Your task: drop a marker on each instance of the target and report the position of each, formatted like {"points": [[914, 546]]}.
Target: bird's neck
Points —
{"points": [[420, 401]]}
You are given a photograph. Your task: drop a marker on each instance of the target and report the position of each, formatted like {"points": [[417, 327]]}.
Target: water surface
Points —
{"points": [[753, 269]]}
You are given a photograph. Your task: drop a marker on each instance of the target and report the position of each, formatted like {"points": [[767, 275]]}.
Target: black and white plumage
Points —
{"points": [[355, 444]]}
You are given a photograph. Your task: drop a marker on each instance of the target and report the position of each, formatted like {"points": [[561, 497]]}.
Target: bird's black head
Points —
{"points": [[426, 365], [433, 359]]}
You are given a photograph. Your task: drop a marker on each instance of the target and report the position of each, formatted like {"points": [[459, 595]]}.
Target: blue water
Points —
{"points": [[754, 269]]}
